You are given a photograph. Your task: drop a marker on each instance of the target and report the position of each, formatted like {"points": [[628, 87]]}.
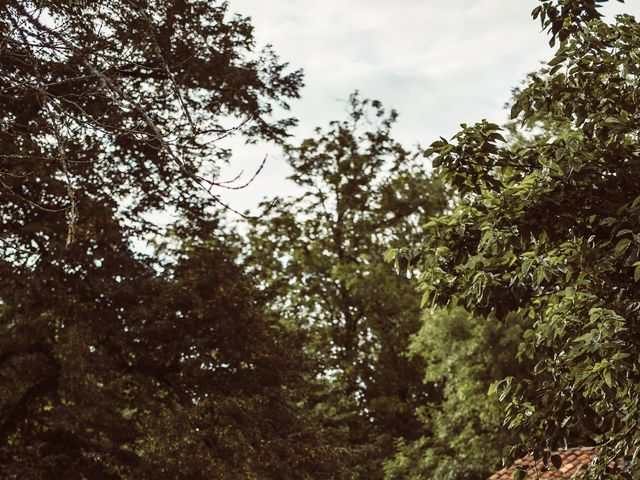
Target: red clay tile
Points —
{"points": [[573, 459]]}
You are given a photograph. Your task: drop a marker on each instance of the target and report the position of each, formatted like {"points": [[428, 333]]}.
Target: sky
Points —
{"points": [[438, 63]]}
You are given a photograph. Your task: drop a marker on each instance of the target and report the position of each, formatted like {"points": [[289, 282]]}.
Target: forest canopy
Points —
{"points": [[408, 313]]}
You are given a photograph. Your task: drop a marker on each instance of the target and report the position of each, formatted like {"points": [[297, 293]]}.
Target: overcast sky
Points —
{"points": [[437, 63]]}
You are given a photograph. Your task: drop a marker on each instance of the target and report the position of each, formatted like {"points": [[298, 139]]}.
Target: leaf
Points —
{"points": [[497, 136], [493, 388], [556, 60], [425, 298], [390, 254], [573, 144], [515, 110], [556, 460], [607, 378], [430, 151], [621, 246], [555, 69], [505, 392], [520, 474], [127, 413]]}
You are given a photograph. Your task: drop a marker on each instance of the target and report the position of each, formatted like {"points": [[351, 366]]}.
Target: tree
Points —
{"points": [[184, 375], [118, 106], [319, 257], [464, 435], [548, 229], [115, 364]]}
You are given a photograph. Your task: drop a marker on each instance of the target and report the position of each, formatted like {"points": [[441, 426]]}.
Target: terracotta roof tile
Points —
{"points": [[573, 460]]}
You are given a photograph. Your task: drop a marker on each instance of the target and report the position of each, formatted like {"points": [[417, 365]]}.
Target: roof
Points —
{"points": [[574, 460]]}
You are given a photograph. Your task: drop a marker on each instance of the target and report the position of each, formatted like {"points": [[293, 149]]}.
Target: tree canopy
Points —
{"points": [[141, 337], [320, 255], [118, 106], [547, 229], [116, 363], [186, 375], [463, 436]]}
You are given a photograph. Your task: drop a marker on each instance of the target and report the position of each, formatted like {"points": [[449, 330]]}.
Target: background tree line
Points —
{"points": [[295, 348]]}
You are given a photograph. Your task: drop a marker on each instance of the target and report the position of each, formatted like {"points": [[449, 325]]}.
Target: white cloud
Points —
{"points": [[438, 63]]}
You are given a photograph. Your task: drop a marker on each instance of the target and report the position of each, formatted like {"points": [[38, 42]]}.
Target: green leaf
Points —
{"points": [[520, 474], [497, 136], [621, 246], [493, 388], [555, 69], [425, 298], [516, 108], [390, 255], [128, 413], [573, 144], [556, 60]]}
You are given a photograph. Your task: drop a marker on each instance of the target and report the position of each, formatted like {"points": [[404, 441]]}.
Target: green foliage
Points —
{"points": [[113, 364], [549, 229], [117, 106], [320, 259], [294, 365], [562, 18], [184, 375], [465, 435]]}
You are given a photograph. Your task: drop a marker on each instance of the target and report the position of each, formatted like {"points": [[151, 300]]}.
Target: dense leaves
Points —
{"points": [[176, 376], [113, 364], [563, 17], [128, 350], [320, 257], [464, 436], [548, 229]]}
